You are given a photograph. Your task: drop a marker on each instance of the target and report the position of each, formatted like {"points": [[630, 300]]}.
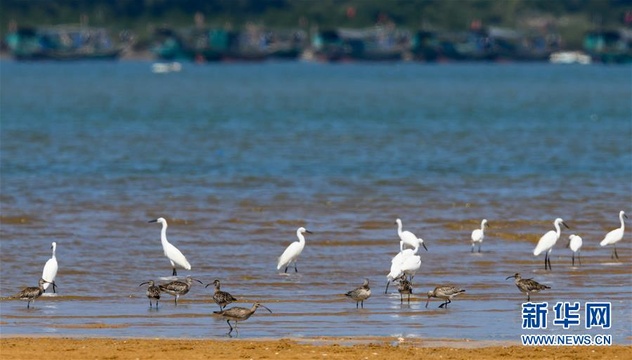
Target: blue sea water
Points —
{"points": [[237, 156]]}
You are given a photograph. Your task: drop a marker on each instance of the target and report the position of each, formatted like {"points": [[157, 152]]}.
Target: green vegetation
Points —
{"points": [[571, 18]]}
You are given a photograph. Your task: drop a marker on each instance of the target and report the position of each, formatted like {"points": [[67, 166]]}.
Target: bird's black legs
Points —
{"points": [[286, 268], [174, 273], [231, 327], [528, 297], [445, 304], [547, 261], [387, 283], [362, 304], [614, 252], [295, 268], [573, 263]]}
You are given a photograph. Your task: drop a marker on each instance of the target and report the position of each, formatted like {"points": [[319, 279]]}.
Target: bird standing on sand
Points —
{"points": [[292, 252], [360, 294], [408, 238], [575, 243], [153, 292], [527, 285], [614, 236], [446, 293], [237, 314], [171, 252], [478, 235], [31, 293], [177, 287], [221, 298], [547, 241], [50, 269]]}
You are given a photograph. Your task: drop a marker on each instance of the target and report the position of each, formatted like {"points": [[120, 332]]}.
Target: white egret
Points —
{"points": [[406, 262], [547, 241], [171, 252], [478, 235], [50, 269], [408, 238], [575, 243], [614, 236], [292, 252]]}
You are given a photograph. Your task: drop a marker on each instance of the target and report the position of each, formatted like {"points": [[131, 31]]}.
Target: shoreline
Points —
{"points": [[21, 347]]}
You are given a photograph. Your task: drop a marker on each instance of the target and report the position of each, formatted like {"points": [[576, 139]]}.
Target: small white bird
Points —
{"points": [[171, 252], [575, 243], [408, 238], [547, 241], [407, 262], [478, 235], [50, 269], [614, 236], [292, 252]]}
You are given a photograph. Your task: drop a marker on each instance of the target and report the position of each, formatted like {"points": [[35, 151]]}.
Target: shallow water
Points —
{"points": [[237, 156]]}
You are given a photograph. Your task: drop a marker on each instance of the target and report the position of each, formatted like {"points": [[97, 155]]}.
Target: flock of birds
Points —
{"points": [[404, 265]]}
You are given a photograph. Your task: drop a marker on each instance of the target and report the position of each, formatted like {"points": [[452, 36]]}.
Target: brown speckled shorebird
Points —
{"points": [[237, 314], [177, 287], [221, 298], [527, 285], [446, 293], [404, 287], [31, 293], [360, 294], [153, 292]]}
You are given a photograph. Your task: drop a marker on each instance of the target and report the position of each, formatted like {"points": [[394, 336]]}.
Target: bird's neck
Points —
{"points": [[163, 234]]}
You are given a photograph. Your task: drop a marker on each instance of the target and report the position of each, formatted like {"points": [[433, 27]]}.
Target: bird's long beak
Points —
{"points": [[52, 283], [427, 301], [309, 232], [208, 284], [424, 245], [625, 216], [266, 308], [509, 277], [153, 221], [146, 282], [563, 223], [198, 281]]}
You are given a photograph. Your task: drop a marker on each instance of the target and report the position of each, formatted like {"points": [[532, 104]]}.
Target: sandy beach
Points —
{"points": [[342, 348]]}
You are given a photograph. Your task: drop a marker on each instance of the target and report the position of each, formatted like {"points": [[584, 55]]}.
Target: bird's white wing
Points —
{"points": [[176, 256], [477, 235], [50, 271], [290, 253], [612, 237], [546, 242]]}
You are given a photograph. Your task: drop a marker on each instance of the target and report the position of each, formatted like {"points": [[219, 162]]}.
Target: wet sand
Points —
{"points": [[327, 348]]}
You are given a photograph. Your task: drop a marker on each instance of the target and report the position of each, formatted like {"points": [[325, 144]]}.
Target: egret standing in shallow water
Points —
{"points": [[407, 262], [153, 292], [171, 252], [221, 298], [527, 286], [177, 287], [360, 294], [292, 252], [237, 314], [50, 269], [31, 293], [614, 236], [547, 241], [478, 235], [575, 243], [408, 238]]}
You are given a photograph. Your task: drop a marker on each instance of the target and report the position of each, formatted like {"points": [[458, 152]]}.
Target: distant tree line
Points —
{"points": [[572, 18]]}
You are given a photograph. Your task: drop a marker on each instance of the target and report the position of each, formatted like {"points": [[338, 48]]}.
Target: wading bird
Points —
{"points": [[407, 262], [171, 252], [237, 314], [404, 287], [153, 292], [614, 236], [547, 241], [177, 287], [575, 243], [478, 235], [221, 298], [527, 286], [408, 238], [50, 269], [444, 292], [360, 294], [31, 293], [292, 252]]}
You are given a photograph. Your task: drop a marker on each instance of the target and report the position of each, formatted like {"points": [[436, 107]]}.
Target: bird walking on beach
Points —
{"points": [[171, 252], [478, 235], [445, 292], [527, 286], [575, 243], [547, 241], [614, 236], [33, 292], [177, 287], [407, 238], [221, 298], [360, 294], [406, 262], [404, 287], [50, 269], [153, 292], [237, 314], [291, 253]]}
